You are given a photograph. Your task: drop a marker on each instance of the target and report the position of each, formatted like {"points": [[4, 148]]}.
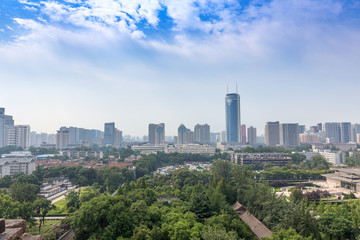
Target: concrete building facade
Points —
{"points": [[289, 134], [272, 133], [252, 139], [157, 133], [202, 134]]}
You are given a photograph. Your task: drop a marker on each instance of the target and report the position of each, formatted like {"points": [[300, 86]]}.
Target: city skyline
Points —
{"points": [[84, 63]]}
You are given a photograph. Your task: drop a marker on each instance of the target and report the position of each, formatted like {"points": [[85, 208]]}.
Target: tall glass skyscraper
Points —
{"points": [[233, 122]]}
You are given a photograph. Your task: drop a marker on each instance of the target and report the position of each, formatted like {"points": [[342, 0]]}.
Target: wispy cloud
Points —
{"points": [[170, 48]]}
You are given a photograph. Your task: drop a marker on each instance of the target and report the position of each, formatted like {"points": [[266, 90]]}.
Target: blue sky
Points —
{"points": [[86, 62]]}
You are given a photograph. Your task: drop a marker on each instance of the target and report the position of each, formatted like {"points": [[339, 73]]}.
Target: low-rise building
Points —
{"points": [[348, 178], [16, 162], [82, 154], [332, 156], [148, 148], [278, 159], [191, 149]]}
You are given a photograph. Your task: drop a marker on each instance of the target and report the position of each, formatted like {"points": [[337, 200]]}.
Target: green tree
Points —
{"points": [[8, 207], [199, 202], [24, 192], [289, 234], [297, 157], [5, 181], [210, 233], [73, 200], [41, 207]]}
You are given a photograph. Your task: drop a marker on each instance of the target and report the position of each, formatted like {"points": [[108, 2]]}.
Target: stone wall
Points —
{"points": [[14, 229]]}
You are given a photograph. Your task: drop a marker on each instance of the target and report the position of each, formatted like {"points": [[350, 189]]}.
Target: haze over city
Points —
{"points": [[83, 63]]}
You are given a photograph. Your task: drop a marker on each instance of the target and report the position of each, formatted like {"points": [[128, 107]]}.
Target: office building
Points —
{"points": [[233, 121], [319, 126], [345, 132], [289, 134], [355, 130], [215, 137], [301, 128], [332, 132], [109, 134], [185, 135], [358, 138], [272, 137], [243, 134], [223, 136], [157, 133], [202, 134], [313, 129], [252, 139]]}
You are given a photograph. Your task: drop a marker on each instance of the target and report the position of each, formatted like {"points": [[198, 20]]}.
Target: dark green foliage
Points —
{"points": [[40, 151], [337, 227], [297, 158], [9, 149], [24, 192], [199, 202], [5, 181], [264, 149], [103, 217], [289, 234], [318, 162], [73, 200]]}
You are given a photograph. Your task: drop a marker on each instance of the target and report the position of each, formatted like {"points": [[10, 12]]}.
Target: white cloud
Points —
{"points": [[100, 51]]}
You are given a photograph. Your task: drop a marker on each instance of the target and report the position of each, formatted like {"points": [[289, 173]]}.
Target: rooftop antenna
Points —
{"points": [[236, 89], [227, 88]]}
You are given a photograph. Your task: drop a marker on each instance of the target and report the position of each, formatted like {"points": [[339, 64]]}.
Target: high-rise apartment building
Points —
{"points": [[13, 135], [243, 134], [17, 136], [345, 132], [272, 136], [251, 131], [332, 132], [233, 121], [202, 133], [157, 133], [118, 138], [62, 138], [289, 134], [185, 135], [2, 127]]}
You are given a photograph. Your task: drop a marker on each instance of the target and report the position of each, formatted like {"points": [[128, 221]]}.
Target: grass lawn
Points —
{"points": [[60, 208], [49, 224]]}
